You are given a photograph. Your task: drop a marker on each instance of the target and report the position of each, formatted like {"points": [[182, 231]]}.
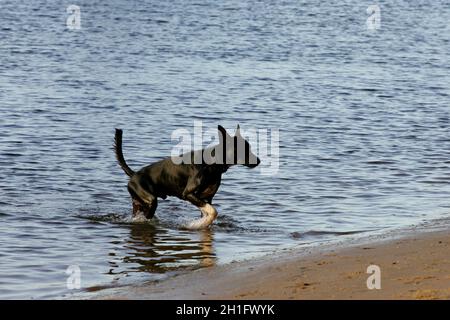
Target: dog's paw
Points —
{"points": [[209, 210], [209, 214], [139, 218]]}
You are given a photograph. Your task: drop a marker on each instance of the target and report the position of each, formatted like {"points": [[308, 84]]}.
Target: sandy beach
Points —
{"points": [[414, 264]]}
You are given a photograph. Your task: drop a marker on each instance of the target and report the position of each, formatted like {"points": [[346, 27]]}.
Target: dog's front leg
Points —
{"points": [[209, 213]]}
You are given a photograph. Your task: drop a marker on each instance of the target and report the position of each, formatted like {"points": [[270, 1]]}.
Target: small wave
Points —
{"points": [[227, 224], [318, 233], [380, 162], [223, 223], [116, 218]]}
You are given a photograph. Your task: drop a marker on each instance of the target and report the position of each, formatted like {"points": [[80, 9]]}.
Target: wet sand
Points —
{"points": [[413, 266]]}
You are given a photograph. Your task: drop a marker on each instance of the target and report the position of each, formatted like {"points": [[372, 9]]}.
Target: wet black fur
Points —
{"points": [[196, 183]]}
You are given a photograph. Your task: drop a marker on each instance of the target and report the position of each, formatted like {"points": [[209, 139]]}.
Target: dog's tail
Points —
{"points": [[119, 153]]}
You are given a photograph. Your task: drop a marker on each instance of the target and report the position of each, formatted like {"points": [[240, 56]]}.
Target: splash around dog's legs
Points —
{"points": [[209, 214]]}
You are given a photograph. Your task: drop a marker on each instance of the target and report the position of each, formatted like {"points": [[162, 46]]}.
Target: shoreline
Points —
{"points": [[414, 264]]}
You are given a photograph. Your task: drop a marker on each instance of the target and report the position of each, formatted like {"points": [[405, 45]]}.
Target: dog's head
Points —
{"points": [[235, 150]]}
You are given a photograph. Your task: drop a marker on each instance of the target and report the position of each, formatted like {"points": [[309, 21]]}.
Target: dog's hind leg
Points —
{"points": [[151, 205], [143, 201]]}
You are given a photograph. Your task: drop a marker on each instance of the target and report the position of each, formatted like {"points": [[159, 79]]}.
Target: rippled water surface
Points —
{"points": [[363, 118]]}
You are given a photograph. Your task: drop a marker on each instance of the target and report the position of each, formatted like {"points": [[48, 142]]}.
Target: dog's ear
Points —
{"points": [[223, 134], [238, 131]]}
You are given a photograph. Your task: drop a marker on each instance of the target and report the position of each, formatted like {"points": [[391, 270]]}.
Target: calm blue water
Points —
{"points": [[363, 118]]}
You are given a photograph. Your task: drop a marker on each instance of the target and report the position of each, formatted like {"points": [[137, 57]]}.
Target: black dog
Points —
{"points": [[186, 177]]}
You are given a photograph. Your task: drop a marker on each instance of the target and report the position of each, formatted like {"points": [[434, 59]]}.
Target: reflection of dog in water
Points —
{"points": [[196, 183], [155, 251]]}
